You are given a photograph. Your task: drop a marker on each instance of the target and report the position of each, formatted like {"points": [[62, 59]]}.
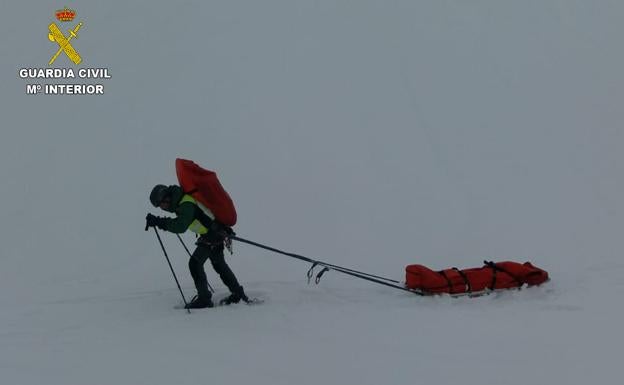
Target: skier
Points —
{"points": [[191, 216]]}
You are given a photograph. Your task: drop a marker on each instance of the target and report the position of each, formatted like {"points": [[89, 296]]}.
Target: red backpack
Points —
{"points": [[204, 186]]}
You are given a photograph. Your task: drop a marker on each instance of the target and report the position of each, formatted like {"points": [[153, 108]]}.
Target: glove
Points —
{"points": [[154, 221]]}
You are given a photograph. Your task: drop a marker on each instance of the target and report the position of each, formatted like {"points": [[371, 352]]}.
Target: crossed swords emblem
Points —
{"points": [[63, 42]]}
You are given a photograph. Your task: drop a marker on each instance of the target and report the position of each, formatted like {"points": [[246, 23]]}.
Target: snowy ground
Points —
{"points": [[334, 334], [342, 331], [367, 134]]}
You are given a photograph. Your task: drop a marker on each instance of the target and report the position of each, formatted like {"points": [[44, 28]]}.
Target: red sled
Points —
{"points": [[492, 276], [204, 186]]}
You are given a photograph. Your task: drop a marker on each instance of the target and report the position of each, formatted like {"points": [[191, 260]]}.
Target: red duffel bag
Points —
{"points": [[492, 276], [204, 186]]}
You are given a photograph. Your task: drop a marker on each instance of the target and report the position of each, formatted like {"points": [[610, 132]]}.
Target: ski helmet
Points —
{"points": [[159, 192]]}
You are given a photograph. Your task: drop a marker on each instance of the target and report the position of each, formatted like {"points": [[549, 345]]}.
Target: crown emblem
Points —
{"points": [[65, 14]]}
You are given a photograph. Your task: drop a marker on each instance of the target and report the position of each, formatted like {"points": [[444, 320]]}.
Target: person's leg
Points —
{"points": [[196, 267], [227, 276]]}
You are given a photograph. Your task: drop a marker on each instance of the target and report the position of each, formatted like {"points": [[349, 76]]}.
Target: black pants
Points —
{"points": [[214, 252]]}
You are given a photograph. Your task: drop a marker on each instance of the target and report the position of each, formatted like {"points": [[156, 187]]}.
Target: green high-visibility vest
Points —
{"points": [[196, 226]]}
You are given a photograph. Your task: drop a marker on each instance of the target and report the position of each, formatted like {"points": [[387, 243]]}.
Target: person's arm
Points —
{"points": [[185, 216]]}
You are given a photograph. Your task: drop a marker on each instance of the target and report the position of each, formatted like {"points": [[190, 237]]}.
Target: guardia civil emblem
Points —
{"points": [[64, 42]]}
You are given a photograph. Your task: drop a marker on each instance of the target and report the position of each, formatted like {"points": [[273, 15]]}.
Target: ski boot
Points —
{"points": [[199, 303], [235, 298]]}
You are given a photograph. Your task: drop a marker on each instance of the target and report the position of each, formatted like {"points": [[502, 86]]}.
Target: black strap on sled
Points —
{"points": [[448, 281], [492, 266], [468, 287], [496, 267], [466, 281]]}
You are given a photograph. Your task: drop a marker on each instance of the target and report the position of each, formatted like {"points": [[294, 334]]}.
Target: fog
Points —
{"points": [[364, 133]]}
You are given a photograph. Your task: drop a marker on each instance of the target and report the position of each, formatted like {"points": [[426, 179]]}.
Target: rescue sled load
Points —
{"points": [[492, 276]]}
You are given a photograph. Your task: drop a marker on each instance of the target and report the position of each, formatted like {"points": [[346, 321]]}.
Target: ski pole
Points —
{"points": [[172, 272], [328, 266], [191, 255]]}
